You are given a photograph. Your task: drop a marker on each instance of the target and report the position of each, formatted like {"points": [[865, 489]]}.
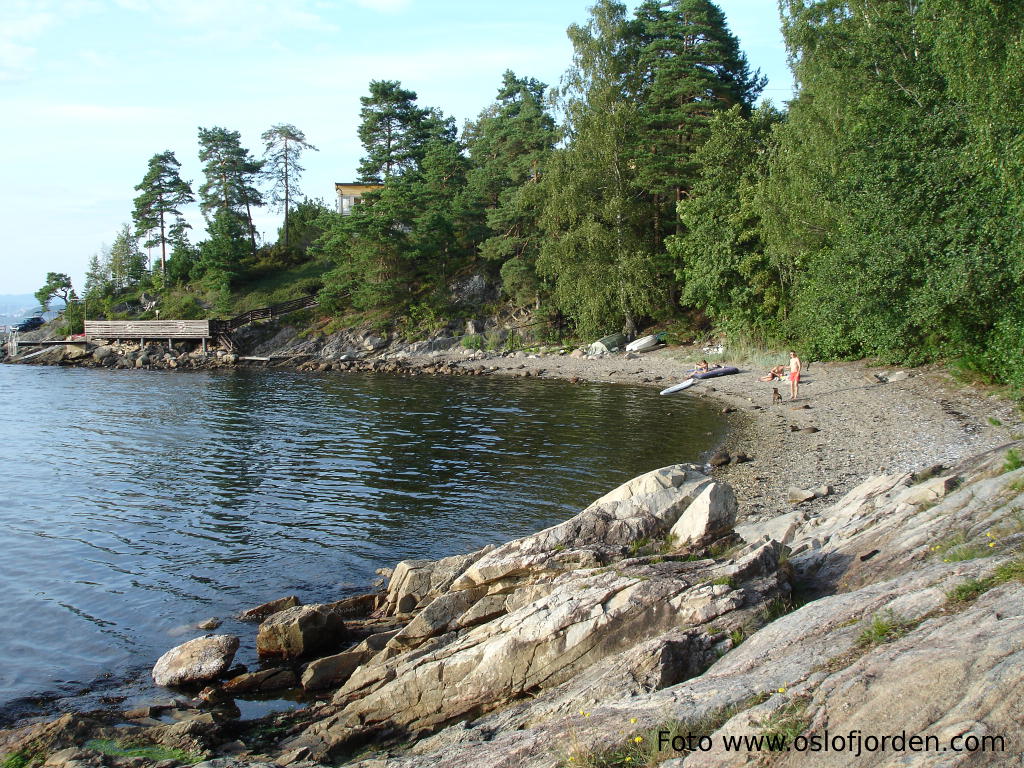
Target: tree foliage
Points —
{"points": [[284, 144], [509, 145], [395, 132], [158, 207], [57, 285], [230, 186], [596, 253]]}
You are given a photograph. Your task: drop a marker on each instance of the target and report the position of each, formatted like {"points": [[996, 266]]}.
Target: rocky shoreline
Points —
{"points": [[676, 597]]}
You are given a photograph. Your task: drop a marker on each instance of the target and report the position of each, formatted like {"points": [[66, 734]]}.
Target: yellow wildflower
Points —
{"points": [[638, 739]]}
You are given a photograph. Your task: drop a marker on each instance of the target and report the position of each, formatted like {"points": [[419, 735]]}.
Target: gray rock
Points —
{"points": [[798, 495], [332, 671], [264, 680], [208, 625], [781, 528], [720, 459], [709, 516], [198, 660], [300, 631], [260, 612]]}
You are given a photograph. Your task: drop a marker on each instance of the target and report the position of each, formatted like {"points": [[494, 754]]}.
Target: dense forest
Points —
{"points": [[877, 214]]}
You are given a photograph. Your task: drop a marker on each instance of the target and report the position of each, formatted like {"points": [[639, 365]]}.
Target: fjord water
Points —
{"points": [[140, 502]]}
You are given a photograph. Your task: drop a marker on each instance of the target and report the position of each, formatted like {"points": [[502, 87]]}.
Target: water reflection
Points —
{"points": [[143, 501]]}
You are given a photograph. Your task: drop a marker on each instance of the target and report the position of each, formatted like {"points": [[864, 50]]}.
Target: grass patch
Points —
{"points": [[787, 722], [737, 636], [1013, 461], [959, 548], [972, 589], [154, 753], [776, 609], [638, 545], [727, 581], [994, 421], [883, 628], [17, 759]]}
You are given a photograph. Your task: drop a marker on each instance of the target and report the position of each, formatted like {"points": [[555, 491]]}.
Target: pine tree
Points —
{"points": [[231, 173], [691, 68], [508, 145], [158, 208], [395, 132], [284, 145]]}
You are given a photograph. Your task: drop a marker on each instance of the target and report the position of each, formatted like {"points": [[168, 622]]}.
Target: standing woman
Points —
{"points": [[794, 375]]}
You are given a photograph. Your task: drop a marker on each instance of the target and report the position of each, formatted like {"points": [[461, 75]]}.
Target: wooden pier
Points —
{"points": [[154, 330]]}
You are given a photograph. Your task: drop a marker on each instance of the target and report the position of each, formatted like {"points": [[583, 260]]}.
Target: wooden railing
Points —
{"points": [[263, 313]]}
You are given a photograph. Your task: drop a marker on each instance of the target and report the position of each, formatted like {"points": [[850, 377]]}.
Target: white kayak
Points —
{"points": [[643, 344], [679, 387]]}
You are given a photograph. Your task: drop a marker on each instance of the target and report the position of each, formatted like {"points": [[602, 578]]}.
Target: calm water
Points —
{"points": [[139, 502]]}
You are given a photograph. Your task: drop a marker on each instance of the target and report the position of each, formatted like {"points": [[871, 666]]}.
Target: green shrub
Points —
{"points": [[1013, 461], [473, 341]]}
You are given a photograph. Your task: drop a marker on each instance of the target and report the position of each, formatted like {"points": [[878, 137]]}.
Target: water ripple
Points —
{"points": [[139, 502]]}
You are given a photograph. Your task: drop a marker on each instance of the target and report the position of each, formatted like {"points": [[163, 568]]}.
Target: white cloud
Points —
{"points": [[20, 26]]}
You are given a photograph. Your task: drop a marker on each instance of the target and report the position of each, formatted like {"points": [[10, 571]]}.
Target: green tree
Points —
{"points": [[596, 253], [127, 262], [221, 254], [57, 285], [509, 144], [231, 174], [443, 225], [878, 194], [97, 277], [394, 131], [284, 146], [719, 250], [184, 262], [158, 207], [370, 248]]}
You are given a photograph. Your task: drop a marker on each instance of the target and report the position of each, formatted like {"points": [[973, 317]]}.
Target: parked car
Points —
{"points": [[30, 324]]}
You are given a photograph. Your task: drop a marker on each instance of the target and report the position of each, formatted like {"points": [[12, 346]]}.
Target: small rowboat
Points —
{"points": [[643, 344]]}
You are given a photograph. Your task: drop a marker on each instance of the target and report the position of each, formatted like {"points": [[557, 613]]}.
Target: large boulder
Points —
{"points": [[709, 516], [301, 631], [197, 661]]}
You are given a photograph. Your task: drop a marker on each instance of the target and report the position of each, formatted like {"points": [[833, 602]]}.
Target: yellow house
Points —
{"points": [[350, 194]]}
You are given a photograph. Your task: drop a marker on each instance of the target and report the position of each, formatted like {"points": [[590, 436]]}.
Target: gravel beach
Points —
{"points": [[869, 420]]}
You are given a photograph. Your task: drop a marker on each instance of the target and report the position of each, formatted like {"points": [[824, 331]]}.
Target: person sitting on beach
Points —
{"points": [[702, 367], [775, 374]]}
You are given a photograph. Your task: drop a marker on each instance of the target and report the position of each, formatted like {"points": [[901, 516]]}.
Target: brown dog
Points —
{"points": [[776, 397]]}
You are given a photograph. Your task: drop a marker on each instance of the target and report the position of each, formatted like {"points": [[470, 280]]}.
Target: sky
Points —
{"points": [[91, 89]]}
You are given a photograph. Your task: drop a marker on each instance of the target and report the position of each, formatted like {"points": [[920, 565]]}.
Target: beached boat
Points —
{"points": [[644, 344], [678, 387]]}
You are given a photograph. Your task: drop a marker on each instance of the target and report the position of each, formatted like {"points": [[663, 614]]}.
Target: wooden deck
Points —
{"points": [[149, 329]]}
